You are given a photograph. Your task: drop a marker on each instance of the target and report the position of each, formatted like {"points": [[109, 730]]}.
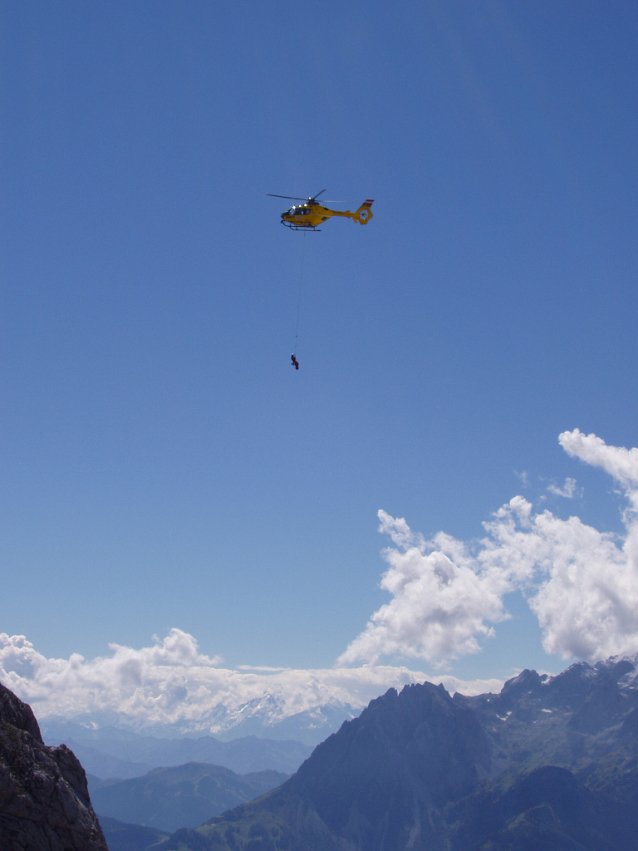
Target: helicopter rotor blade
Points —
{"points": [[289, 197], [314, 197]]}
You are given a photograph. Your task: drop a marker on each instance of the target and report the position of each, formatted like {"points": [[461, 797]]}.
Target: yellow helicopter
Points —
{"points": [[311, 213]]}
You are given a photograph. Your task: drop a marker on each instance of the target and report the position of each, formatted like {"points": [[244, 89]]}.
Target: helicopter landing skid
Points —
{"points": [[300, 227]]}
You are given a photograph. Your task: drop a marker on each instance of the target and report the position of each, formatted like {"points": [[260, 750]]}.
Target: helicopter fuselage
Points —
{"points": [[308, 216]]}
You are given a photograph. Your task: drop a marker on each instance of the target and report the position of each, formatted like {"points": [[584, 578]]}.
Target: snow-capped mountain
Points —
{"points": [[266, 717]]}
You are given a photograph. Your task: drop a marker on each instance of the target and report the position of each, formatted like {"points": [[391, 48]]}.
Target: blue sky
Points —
{"points": [[163, 465]]}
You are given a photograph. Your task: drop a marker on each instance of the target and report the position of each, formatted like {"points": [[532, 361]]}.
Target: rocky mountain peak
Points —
{"points": [[389, 770], [13, 711], [44, 800], [526, 683]]}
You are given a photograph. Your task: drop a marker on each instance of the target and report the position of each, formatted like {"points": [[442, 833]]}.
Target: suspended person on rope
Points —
{"points": [[295, 362]]}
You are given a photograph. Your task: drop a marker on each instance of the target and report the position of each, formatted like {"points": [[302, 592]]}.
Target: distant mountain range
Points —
{"points": [[549, 764], [183, 796], [111, 752]]}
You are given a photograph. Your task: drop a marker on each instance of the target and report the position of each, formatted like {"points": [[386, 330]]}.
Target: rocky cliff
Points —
{"points": [[44, 800]]}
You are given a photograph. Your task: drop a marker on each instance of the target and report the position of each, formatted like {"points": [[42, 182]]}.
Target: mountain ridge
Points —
{"points": [[543, 764]]}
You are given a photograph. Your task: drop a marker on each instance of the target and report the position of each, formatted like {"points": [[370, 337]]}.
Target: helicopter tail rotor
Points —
{"points": [[364, 213]]}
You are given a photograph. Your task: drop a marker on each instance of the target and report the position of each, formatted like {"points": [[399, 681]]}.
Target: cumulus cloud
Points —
{"points": [[172, 683], [442, 598], [582, 584]]}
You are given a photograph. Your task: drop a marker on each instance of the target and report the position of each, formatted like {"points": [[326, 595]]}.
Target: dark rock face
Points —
{"points": [[44, 800]]}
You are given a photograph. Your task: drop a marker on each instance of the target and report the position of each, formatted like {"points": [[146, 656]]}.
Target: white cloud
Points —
{"points": [[569, 489], [582, 584], [442, 599], [172, 683], [619, 462]]}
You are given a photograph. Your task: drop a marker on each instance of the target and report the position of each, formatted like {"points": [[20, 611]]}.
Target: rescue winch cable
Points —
{"points": [[303, 252]]}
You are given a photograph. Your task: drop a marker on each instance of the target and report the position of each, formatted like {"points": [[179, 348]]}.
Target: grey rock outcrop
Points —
{"points": [[44, 800]]}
